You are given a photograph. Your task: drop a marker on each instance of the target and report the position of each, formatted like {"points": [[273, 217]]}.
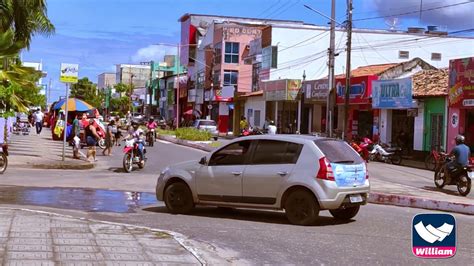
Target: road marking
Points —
{"points": [[164, 141]]}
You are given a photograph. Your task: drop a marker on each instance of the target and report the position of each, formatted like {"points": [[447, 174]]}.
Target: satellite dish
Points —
{"points": [[392, 23]]}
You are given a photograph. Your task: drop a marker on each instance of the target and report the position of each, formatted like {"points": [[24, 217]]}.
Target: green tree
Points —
{"points": [[26, 18], [126, 100], [85, 90]]}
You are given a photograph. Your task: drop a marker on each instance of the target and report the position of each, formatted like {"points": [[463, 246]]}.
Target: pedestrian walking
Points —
{"points": [[77, 140], [91, 139], [117, 133], [38, 118], [109, 139], [272, 129]]}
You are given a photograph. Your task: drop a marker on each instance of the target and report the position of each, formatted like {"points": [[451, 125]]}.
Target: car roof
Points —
{"points": [[283, 137]]}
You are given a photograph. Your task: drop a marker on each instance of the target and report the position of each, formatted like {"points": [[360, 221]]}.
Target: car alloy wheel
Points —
{"points": [[301, 208], [345, 213], [178, 198]]}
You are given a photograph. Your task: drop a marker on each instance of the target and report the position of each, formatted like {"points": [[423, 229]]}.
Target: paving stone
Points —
{"points": [[73, 235], [29, 255], [80, 256], [72, 241], [71, 230], [29, 263], [46, 248], [29, 235], [121, 250], [157, 242], [116, 243], [79, 249], [172, 258], [129, 263], [125, 257], [30, 241], [114, 237], [80, 263]]}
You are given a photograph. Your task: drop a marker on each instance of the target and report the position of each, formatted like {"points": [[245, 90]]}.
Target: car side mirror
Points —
{"points": [[203, 160]]}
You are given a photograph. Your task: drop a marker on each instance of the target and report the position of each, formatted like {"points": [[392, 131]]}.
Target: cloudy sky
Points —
{"points": [[97, 34]]}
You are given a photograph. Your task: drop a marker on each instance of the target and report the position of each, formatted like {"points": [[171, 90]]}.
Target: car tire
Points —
{"points": [[301, 207], [345, 214], [178, 198]]}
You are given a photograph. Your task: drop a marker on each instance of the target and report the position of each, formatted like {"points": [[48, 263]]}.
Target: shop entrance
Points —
{"points": [[402, 129], [365, 123], [469, 131]]}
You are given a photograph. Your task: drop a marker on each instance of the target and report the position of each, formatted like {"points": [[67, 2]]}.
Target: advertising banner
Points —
{"points": [[281, 90], [316, 90], [392, 94], [461, 83], [360, 91], [69, 73]]}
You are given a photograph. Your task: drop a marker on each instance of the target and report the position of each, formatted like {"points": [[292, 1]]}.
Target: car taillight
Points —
{"points": [[325, 170]]}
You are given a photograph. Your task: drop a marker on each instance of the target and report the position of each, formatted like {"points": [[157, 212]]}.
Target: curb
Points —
{"points": [[185, 143], [59, 166], [415, 202]]}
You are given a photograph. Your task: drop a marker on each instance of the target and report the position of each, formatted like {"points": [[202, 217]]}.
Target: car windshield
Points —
{"points": [[337, 151], [207, 123]]}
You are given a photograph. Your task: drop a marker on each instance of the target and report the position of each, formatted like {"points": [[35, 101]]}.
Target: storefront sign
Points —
{"points": [[219, 98], [454, 120], [316, 90], [281, 90], [392, 94], [360, 91], [461, 82], [240, 30]]}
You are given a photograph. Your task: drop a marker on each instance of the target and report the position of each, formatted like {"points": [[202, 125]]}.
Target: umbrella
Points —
{"points": [[74, 104]]}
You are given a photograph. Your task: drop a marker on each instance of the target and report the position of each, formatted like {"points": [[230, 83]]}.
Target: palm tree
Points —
{"points": [[26, 18]]}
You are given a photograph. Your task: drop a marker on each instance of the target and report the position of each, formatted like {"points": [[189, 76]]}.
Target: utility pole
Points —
{"points": [[348, 68], [177, 86], [150, 87], [49, 94], [332, 40]]}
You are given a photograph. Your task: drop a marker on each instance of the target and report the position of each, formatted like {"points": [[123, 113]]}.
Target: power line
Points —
{"points": [[414, 12], [268, 9], [276, 15]]}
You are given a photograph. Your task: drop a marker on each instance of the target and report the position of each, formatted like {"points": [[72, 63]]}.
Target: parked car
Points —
{"points": [[139, 118], [300, 174], [207, 125]]}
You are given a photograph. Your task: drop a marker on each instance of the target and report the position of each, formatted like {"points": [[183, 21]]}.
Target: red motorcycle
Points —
{"points": [[132, 156], [362, 148]]}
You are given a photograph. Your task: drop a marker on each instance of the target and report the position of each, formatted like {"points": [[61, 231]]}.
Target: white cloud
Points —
{"points": [[450, 18], [153, 52]]}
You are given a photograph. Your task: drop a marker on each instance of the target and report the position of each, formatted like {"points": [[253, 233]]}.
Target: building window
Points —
{"points": [[232, 52], [230, 77], [436, 56], [403, 54]]}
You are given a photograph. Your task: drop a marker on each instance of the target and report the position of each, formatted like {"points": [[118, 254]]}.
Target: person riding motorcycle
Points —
{"points": [[137, 134], [151, 124], [461, 154]]}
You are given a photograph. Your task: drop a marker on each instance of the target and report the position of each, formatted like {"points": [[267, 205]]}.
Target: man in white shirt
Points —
{"points": [[272, 129], [38, 117]]}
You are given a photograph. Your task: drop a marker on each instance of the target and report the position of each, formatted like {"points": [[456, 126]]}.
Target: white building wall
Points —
{"points": [[385, 125], [419, 128], [368, 47], [255, 104]]}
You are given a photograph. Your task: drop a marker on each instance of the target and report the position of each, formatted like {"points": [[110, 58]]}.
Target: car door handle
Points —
{"points": [[282, 173], [236, 173]]}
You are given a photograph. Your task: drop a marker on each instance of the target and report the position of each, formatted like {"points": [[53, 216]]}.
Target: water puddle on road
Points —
{"points": [[83, 199]]}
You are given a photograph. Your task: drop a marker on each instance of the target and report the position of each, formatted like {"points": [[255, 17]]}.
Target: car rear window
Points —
{"points": [[337, 151], [207, 123]]}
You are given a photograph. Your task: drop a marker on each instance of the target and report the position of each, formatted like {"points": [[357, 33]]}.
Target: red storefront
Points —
{"points": [[361, 116], [461, 101]]}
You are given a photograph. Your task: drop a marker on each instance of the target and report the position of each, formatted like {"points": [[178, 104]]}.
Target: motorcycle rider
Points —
{"points": [[461, 154], [137, 134], [151, 124]]}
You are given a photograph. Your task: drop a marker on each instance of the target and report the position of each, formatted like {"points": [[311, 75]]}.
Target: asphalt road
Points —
{"points": [[378, 235]]}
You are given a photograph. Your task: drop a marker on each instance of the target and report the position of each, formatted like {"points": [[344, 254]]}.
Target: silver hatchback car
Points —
{"points": [[300, 174]]}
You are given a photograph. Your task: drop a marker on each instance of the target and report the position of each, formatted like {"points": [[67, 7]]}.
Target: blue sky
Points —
{"points": [[97, 34]]}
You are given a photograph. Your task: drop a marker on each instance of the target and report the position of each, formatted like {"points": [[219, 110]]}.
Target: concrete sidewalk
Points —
{"points": [[40, 151], [420, 193], [38, 238]]}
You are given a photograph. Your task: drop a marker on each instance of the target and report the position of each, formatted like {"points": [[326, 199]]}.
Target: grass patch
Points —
{"points": [[189, 133], [166, 132]]}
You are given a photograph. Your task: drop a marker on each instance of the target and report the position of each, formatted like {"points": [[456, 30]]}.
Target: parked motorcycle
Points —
{"points": [[251, 131], [460, 177], [3, 158], [386, 155], [131, 155], [363, 148]]}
